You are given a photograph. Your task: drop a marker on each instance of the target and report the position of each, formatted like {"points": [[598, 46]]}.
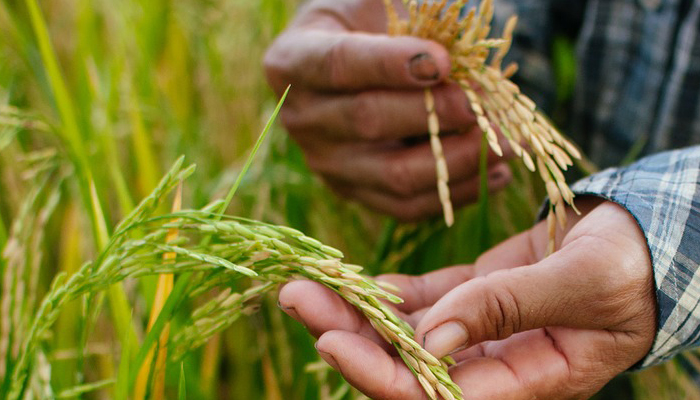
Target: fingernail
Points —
{"points": [[423, 67], [446, 339], [496, 175], [327, 357], [292, 312]]}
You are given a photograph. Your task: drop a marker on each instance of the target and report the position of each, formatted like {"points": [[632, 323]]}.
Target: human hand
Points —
{"points": [[530, 327], [357, 109]]}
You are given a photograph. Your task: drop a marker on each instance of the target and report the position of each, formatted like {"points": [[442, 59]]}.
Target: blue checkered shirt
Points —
{"points": [[638, 83]]}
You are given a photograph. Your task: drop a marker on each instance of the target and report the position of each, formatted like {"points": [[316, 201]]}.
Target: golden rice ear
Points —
{"points": [[495, 100], [392, 18], [443, 177]]}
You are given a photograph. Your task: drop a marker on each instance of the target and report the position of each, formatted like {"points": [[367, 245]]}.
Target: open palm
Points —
{"points": [[519, 325]]}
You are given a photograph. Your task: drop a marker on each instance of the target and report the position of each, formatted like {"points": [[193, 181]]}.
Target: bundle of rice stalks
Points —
{"points": [[212, 251], [496, 101]]}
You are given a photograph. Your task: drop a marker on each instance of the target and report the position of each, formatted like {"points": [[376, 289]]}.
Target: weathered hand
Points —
{"points": [[357, 109], [520, 326]]}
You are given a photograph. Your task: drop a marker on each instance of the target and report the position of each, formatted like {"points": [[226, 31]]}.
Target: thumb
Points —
{"points": [[569, 288]]}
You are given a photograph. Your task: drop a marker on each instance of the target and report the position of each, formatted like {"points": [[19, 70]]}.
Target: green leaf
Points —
{"points": [[86, 388], [249, 161], [165, 315], [182, 391]]}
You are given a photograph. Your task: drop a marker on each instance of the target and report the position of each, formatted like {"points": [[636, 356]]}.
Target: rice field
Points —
{"points": [[105, 108]]}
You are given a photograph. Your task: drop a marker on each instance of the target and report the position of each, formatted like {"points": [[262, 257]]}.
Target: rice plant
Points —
{"points": [[104, 295]]}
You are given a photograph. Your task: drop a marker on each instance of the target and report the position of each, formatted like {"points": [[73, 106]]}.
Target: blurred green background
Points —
{"points": [[135, 84]]}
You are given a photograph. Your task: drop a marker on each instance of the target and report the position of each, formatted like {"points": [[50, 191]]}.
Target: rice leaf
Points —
{"points": [[254, 151], [85, 388], [182, 387], [122, 386]]}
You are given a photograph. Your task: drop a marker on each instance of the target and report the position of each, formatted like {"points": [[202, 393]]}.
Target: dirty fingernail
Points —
{"points": [[424, 68], [327, 357], [498, 174], [446, 339]]}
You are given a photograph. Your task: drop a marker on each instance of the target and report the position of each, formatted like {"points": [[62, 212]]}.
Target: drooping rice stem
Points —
{"points": [[443, 176], [497, 103], [71, 133], [163, 290]]}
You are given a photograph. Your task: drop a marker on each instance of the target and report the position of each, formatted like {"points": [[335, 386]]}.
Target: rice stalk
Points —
{"points": [[90, 278], [163, 289], [145, 158], [71, 133], [211, 357], [80, 390], [443, 176], [13, 117], [237, 248], [495, 100], [182, 386], [21, 260]]}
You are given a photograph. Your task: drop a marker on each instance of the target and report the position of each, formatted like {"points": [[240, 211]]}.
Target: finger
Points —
{"points": [[530, 246], [342, 61], [525, 248], [423, 291], [419, 292], [378, 114], [424, 204], [368, 367], [364, 16], [404, 171], [524, 298], [321, 310]]}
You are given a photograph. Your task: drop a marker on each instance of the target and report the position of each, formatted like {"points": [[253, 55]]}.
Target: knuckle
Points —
{"points": [[604, 262], [616, 277], [334, 63], [502, 312], [290, 118], [451, 102], [276, 65], [317, 162], [407, 212], [271, 61], [400, 181], [363, 117]]}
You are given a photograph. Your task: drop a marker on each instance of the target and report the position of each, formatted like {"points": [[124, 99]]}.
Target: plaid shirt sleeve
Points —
{"points": [[663, 193]]}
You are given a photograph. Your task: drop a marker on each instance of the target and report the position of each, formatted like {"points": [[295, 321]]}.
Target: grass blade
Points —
{"points": [[66, 108], [181, 285], [166, 313], [83, 389], [163, 289], [182, 391], [71, 134], [145, 160], [3, 233], [253, 152]]}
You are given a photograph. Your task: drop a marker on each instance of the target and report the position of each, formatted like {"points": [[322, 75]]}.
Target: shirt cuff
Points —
{"points": [[662, 192]]}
